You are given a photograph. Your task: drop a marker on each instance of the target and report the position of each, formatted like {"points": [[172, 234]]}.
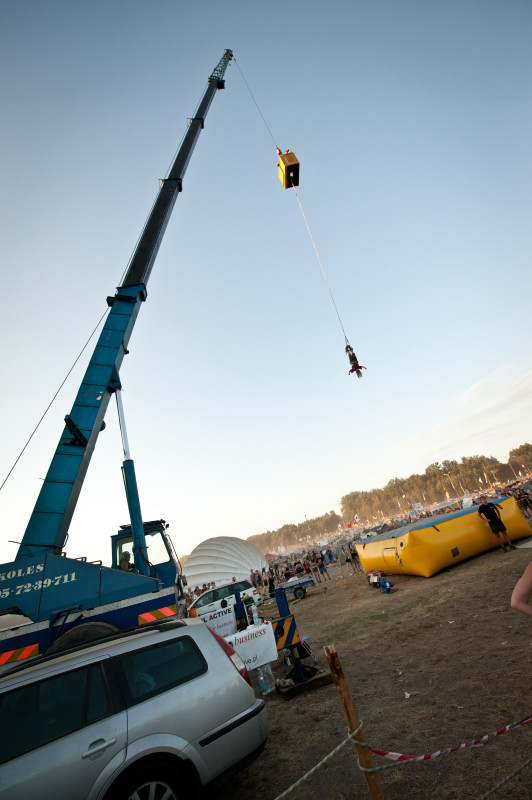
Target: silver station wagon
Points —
{"points": [[155, 713]]}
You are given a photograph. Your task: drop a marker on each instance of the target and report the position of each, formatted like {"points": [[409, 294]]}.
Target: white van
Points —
{"points": [[221, 597]]}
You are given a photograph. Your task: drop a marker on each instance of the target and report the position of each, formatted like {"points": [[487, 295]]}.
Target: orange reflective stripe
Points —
{"points": [[169, 611], [158, 613], [4, 658], [31, 650], [20, 653]]}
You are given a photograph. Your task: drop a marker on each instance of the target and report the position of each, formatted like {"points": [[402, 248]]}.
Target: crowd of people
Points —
{"points": [[523, 498], [314, 564], [517, 489], [192, 594]]}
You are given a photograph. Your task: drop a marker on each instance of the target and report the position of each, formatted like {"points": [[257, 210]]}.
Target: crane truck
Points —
{"points": [[48, 600]]}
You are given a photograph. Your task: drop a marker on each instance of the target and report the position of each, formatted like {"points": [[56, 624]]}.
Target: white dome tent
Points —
{"points": [[222, 558]]}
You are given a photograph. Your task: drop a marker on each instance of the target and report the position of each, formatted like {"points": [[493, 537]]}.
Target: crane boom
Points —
{"points": [[142, 261], [47, 529]]}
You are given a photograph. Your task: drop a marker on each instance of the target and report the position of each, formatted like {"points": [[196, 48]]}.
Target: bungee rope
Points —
{"points": [[353, 360]]}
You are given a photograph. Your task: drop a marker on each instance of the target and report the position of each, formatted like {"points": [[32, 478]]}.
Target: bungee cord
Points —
{"points": [[289, 176]]}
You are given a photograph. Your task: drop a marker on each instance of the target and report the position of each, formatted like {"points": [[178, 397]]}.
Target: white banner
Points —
{"points": [[223, 621], [255, 645]]}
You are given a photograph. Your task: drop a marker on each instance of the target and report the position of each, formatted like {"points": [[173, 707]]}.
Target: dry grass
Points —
{"points": [[452, 643]]}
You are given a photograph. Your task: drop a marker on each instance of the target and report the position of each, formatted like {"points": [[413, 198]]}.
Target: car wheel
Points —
{"points": [[86, 632], [153, 781], [300, 592]]}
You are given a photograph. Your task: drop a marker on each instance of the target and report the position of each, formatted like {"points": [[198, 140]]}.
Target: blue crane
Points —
{"points": [[41, 583]]}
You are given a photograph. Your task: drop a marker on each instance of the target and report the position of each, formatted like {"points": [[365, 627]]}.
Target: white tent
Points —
{"points": [[222, 558]]}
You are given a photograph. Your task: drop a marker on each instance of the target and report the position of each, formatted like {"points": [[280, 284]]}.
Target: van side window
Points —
{"points": [[223, 591], [148, 672], [204, 600], [40, 712]]}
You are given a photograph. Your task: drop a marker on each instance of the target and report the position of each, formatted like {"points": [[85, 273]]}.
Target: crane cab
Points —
{"points": [[159, 552], [288, 169]]}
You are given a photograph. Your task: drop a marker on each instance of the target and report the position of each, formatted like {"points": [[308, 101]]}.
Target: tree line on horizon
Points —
{"points": [[441, 481]]}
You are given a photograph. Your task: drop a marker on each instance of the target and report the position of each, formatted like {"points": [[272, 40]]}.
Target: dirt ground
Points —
{"points": [[437, 662]]}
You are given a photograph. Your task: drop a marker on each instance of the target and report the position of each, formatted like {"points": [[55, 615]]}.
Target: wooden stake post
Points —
{"points": [[366, 760]]}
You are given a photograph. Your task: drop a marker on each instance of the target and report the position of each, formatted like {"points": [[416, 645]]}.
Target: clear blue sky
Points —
{"points": [[412, 121]]}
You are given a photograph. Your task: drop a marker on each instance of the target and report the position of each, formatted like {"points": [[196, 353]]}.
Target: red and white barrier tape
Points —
{"points": [[474, 743]]}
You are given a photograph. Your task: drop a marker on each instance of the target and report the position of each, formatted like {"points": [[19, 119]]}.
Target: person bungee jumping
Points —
{"points": [[353, 360]]}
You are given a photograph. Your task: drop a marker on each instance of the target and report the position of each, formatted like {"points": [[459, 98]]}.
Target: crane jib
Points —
{"points": [[47, 529], [149, 243]]}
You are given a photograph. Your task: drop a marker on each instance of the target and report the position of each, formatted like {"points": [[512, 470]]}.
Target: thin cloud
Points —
{"points": [[492, 384], [498, 423]]}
